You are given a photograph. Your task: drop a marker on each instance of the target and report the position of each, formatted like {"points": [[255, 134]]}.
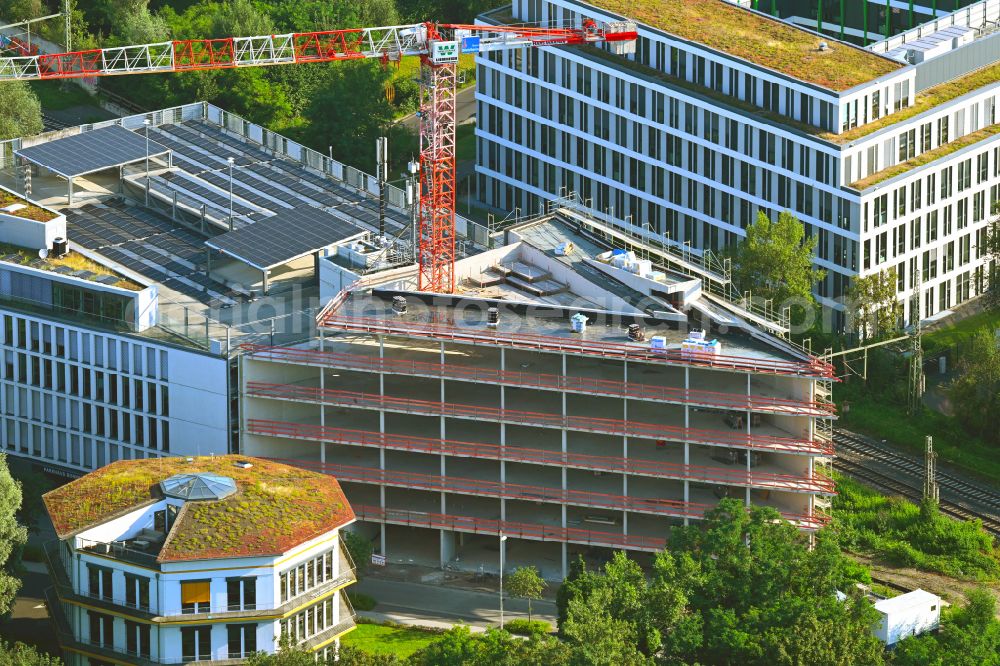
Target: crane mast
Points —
{"points": [[437, 45]]}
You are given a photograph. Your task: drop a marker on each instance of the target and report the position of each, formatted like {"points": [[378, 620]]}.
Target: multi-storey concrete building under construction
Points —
{"points": [[564, 397]]}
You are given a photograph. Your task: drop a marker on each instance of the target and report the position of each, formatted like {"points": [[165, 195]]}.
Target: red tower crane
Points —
{"points": [[437, 45]]}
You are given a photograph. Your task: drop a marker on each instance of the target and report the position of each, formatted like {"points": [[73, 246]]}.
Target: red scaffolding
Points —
{"points": [[617, 464], [622, 427], [587, 385], [671, 508]]}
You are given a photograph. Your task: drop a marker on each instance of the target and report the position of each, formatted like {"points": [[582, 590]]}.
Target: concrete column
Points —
{"points": [[381, 455], [625, 450], [322, 414], [503, 435], [749, 452], [69, 191], [687, 445], [443, 435], [447, 547], [266, 274]]}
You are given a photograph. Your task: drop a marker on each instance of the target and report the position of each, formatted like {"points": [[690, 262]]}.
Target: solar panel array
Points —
{"points": [[279, 239], [263, 184], [150, 245], [92, 151]]}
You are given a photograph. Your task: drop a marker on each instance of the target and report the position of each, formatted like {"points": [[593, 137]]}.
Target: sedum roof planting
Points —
{"points": [[276, 507], [758, 39]]}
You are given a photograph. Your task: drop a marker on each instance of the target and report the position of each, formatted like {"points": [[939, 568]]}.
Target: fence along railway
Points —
{"points": [[886, 469]]}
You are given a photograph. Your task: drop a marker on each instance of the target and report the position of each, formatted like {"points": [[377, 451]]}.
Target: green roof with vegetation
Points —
{"points": [[925, 101], [758, 39], [77, 262], [29, 212], [926, 158], [276, 507]]}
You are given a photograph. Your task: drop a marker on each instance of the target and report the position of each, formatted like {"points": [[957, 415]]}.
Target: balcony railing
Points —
{"points": [[673, 508], [586, 385], [617, 464], [630, 428]]}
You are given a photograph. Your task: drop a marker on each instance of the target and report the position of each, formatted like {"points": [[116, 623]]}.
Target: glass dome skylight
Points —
{"points": [[199, 486]]}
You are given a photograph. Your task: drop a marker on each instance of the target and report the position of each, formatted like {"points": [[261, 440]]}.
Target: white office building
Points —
{"points": [[890, 155], [200, 559]]}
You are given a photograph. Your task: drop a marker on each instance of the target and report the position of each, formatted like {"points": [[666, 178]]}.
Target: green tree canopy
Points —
{"points": [[775, 261], [975, 393], [12, 534], [742, 588], [526, 584], [20, 112], [20, 654], [876, 308]]}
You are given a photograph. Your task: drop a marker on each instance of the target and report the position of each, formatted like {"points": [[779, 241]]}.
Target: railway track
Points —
{"points": [[848, 442], [854, 468]]}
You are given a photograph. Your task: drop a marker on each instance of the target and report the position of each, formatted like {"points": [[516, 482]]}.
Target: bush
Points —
{"points": [[523, 627], [362, 602]]}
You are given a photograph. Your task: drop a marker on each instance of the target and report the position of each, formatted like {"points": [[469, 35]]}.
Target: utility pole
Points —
{"points": [[931, 490], [916, 384], [413, 201], [68, 11], [382, 173]]}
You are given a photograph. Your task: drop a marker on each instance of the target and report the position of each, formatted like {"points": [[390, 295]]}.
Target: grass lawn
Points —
{"points": [[381, 639], [893, 530], [465, 142], [57, 95], [881, 419], [952, 335]]}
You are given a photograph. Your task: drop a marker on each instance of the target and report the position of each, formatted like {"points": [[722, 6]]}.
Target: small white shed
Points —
{"points": [[909, 614]]}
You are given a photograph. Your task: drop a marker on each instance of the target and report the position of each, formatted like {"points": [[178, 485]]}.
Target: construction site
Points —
{"points": [[568, 397]]}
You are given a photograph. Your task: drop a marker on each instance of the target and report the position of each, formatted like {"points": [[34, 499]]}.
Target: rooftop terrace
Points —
{"points": [[761, 40], [276, 507]]}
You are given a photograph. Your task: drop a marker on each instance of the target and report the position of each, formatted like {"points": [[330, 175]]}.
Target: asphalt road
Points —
{"points": [[436, 604], [465, 109], [29, 621]]}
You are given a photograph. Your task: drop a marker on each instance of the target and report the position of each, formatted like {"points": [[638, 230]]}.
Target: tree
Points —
{"points": [[360, 550], [975, 392], [12, 534], [992, 251], [775, 261], [288, 654], [348, 656], [20, 10], [597, 637], [20, 112], [969, 636], [876, 308], [20, 654], [526, 584]]}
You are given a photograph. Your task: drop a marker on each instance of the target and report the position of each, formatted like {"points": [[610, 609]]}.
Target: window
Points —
{"points": [[943, 131], [99, 582], [946, 183], [196, 643], [102, 629], [196, 596], [137, 638], [242, 640], [241, 593], [308, 574], [136, 591], [313, 620]]}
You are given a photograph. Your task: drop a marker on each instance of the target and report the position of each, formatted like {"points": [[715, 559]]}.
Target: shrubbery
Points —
{"points": [[524, 627]]}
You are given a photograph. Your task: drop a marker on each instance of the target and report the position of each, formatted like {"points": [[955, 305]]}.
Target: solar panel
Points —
{"points": [[92, 151], [276, 240]]}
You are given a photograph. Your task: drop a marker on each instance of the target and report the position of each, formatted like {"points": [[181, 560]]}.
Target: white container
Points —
{"points": [[658, 343], [578, 322], [909, 614]]}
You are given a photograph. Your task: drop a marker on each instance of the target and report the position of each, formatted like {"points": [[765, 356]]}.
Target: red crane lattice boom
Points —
{"points": [[437, 45]]}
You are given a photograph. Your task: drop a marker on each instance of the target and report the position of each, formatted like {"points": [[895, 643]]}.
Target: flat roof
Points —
{"points": [[276, 507], [89, 152], [537, 325], [906, 601], [284, 237], [759, 39]]}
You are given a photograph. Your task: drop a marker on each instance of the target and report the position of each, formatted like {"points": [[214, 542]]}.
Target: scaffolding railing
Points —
{"points": [[676, 508], [616, 464], [510, 528], [332, 319], [588, 385], [623, 427]]}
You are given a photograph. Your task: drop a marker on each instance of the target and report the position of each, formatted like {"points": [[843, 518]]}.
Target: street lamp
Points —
{"points": [[503, 538], [231, 162]]}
